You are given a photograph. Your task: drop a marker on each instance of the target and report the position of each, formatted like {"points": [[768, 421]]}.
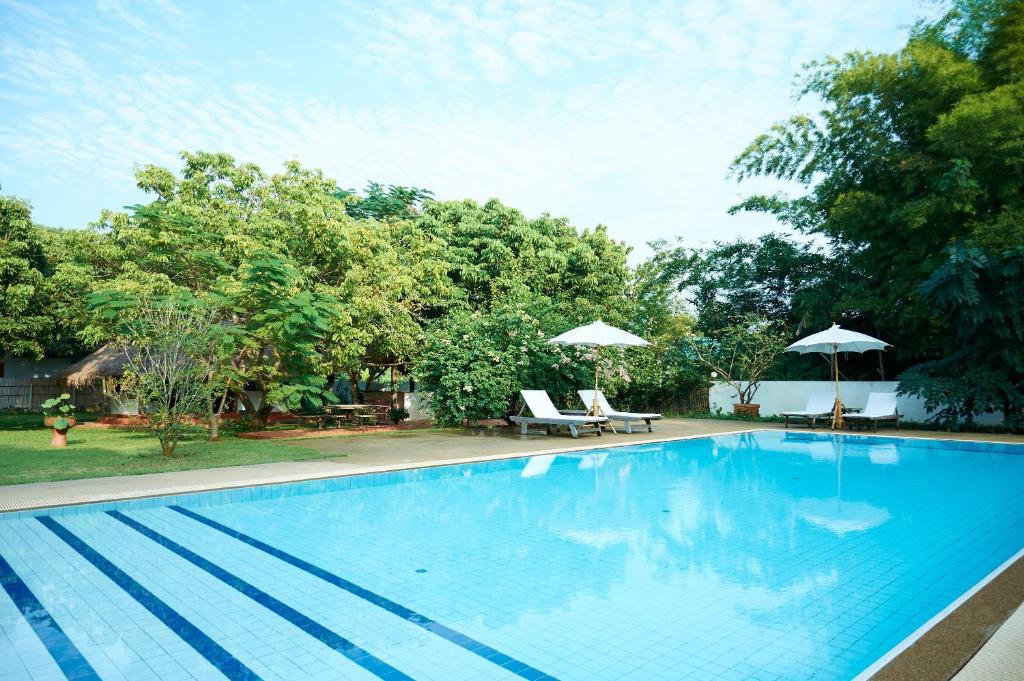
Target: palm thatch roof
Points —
{"points": [[107, 362]]}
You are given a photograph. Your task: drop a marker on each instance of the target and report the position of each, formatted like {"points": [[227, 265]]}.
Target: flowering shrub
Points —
{"points": [[474, 364]]}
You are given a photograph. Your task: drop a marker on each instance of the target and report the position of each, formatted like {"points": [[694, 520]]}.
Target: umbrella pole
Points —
{"points": [[837, 408], [595, 408]]}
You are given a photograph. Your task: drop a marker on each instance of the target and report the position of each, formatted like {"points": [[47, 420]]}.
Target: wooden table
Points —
{"points": [[348, 412]]}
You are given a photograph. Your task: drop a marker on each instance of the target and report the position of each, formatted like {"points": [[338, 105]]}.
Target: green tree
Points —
{"points": [[771, 277], [473, 364], [493, 252], [911, 151], [981, 367], [282, 329], [381, 203], [160, 342], [44, 274], [740, 354], [664, 375], [25, 320]]}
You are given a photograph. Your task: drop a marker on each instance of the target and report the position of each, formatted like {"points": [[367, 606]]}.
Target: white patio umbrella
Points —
{"points": [[833, 341], [598, 335]]}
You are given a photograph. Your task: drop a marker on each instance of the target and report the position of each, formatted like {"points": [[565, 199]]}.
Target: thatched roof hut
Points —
{"points": [[107, 362]]}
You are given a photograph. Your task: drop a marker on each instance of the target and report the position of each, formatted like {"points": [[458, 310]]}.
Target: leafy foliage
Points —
{"points": [[160, 343], [41, 279], [771, 278], [62, 408], [381, 203], [23, 316], [911, 153], [982, 367], [740, 354], [473, 364]]}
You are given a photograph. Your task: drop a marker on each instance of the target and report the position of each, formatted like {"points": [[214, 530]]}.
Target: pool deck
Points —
{"points": [[949, 648], [351, 455], [386, 452]]}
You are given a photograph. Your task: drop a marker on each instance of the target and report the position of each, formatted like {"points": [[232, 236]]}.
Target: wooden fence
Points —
{"points": [[29, 394], [695, 401]]}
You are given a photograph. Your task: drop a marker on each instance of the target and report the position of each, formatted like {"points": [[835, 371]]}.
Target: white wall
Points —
{"points": [[776, 397], [415, 404], [124, 406], [256, 397]]}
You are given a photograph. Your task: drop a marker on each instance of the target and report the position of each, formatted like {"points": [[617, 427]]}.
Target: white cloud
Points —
{"points": [[616, 113]]}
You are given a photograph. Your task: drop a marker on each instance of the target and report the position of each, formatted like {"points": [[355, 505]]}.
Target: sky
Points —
{"points": [[625, 114]]}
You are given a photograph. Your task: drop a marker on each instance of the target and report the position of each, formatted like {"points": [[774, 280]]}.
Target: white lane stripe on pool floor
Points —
{"points": [[394, 639]]}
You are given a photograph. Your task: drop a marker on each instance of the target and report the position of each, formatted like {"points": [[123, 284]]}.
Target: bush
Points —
{"points": [[474, 364]]}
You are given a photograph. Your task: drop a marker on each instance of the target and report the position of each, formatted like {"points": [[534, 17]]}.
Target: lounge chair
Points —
{"points": [[545, 414], [819, 405], [627, 417], [880, 407]]}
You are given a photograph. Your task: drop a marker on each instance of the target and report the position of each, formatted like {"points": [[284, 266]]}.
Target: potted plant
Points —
{"points": [[59, 414], [739, 355]]}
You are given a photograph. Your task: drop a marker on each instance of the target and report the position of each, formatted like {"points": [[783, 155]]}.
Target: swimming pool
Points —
{"points": [[753, 556]]}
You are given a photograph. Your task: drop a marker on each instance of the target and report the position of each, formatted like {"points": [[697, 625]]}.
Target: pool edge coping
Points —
{"points": [[915, 636], [130, 495]]}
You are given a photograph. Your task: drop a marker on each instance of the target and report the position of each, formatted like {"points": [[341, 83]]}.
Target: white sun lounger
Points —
{"points": [[627, 417], [545, 414], [880, 407], [819, 405]]}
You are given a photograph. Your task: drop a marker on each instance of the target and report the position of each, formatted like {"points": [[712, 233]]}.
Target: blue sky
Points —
{"points": [[620, 113]]}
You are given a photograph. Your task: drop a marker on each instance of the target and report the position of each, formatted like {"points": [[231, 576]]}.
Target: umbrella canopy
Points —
{"points": [[598, 335], [837, 339], [833, 341]]}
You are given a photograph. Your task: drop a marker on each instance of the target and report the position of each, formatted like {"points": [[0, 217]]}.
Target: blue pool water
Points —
{"points": [[757, 556]]}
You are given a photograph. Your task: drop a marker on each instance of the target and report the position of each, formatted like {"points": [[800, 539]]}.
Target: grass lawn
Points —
{"points": [[26, 455]]}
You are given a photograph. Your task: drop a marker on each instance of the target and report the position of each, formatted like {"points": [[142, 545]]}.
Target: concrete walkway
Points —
{"points": [[1002, 657], [346, 456], [374, 453]]}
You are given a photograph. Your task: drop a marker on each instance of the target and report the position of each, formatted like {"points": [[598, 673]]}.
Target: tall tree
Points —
{"points": [[771, 277], [43, 273], [24, 319], [912, 152], [981, 367], [382, 203]]}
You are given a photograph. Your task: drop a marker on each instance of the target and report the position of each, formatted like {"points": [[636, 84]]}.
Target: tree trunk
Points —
{"points": [[168, 441], [357, 394], [263, 413], [394, 389], [257, 417], [214, 419], [246, 401]]}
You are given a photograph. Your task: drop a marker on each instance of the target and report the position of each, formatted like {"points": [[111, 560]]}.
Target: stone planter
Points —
{"points": [[48, 421], [59, 438], [746, 410]]}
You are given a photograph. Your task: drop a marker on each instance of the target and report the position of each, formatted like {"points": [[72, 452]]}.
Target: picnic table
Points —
{"points": [[352, 412]]}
